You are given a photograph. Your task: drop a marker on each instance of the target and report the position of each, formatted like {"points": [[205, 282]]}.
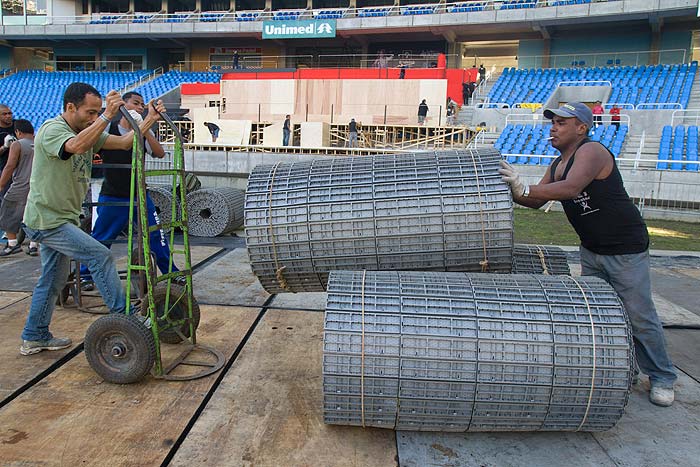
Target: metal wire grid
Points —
{"points": [[420, 211], [474, 352]]}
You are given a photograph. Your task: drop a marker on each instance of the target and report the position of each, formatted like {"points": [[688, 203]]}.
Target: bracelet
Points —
{"points": [[102, 116]]}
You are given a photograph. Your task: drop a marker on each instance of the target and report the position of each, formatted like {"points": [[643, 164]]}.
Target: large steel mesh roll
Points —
{"points": [[163, 199], [474, 352], [539, 259], [215, 211], [442, 211]]}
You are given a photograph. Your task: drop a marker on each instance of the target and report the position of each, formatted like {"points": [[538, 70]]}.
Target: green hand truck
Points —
{"points": [[124, 348]]}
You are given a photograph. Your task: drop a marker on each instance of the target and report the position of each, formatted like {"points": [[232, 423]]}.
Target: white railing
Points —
{"points": [[464, 7], [477, 140], [656, 105], [639, 150], [683, 115], [622, 105]]}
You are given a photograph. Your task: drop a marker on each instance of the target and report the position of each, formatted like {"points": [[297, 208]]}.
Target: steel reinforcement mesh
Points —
{"points": [[437, 211], [539, 259], [215, 211], [445, 351]]}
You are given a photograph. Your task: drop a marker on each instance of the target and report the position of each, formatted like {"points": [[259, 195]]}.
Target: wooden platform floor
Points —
{"points": [[264, 407]]}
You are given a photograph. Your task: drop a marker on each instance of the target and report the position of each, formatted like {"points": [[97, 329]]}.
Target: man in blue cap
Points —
{"points": [[614, 237]]}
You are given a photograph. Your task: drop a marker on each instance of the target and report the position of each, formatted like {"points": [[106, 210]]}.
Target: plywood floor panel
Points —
{"points": [[74, 418], [15, 369], [267, 410]]}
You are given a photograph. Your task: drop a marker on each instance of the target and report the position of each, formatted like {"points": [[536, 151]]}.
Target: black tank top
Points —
{"points": [[603, 215], [117, 181]]}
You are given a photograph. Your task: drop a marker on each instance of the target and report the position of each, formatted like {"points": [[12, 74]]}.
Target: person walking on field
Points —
{"points": [[614, 237]]}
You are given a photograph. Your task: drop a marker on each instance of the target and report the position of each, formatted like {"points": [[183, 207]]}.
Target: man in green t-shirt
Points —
{"points": [[63, 150]]}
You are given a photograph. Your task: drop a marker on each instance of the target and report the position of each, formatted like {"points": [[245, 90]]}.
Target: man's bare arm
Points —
{"points": [[12, 161]]}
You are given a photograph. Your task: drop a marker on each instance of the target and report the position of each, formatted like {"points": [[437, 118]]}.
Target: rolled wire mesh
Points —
{"points": [[441, 211], [163, 199], [539, 259], [215, 211], [442, 351]]}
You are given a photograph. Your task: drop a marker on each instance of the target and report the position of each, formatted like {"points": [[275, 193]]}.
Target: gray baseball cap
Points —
{"points": [[572, 109]]}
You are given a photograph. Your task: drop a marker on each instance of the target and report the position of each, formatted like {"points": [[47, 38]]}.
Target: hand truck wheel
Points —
{"points": [[120, 348]]}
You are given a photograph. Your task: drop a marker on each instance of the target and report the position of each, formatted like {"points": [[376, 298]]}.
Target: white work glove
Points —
{"points": [[9, 139], [512, 178]]}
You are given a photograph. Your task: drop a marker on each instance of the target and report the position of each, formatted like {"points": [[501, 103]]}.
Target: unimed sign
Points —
{"points": [[298, 29]]}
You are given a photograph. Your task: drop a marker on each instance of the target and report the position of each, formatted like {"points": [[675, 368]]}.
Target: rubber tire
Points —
{"points": [[132, 335], [169, 336]]}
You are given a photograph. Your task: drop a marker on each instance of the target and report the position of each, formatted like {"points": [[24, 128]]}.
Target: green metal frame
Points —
{"points": [[140, 231]]}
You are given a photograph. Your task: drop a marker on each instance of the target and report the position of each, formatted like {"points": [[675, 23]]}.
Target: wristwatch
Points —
{"points": [[526, 191]]}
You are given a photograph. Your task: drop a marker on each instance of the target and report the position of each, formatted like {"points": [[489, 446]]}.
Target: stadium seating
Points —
{"points": [[330, 14], [373, 12], [518, 4], [527, 144], [212, 17], [647, 84], [247, 16], [172, 79], [37, 95], [467, 7], [676, 152], [286, 15], [107, 19], [177, 18], [418, 10], [143, 18]]}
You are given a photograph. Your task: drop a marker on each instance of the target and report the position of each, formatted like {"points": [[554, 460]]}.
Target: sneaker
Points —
{"points": [[86, 285], [11, 250], [662, 397], [32, 251], [55, 343]]}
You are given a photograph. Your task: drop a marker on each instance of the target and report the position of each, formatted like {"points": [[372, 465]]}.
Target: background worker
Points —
{"points": [[63, 152], [352, 133], [113, 215], [213, 130], [614, 237], [16, 175]]}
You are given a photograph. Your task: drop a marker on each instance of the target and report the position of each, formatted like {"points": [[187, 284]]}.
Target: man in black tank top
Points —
{"points": [[614, 238]]}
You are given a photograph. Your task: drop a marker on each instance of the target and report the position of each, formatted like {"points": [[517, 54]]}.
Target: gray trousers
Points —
{"points": [[629, 275], [352, 139]]}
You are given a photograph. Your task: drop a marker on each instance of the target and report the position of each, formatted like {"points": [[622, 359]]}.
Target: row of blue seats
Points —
{"points": [[418, 10], [173, 79], [524, 141], [287, 15], [329, 14], [675, 147], [373, 12], [37, 95], [634, 85]]}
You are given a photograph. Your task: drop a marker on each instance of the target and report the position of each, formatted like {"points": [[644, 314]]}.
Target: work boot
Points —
{"points": [[55, 343]]}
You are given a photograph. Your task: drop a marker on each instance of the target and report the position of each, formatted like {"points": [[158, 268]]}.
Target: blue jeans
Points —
{"points": [[57, 247], [629, 276], [285, 137], [112, 220]]}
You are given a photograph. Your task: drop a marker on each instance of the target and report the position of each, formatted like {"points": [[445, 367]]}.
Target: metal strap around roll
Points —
{"points": [[215, 211], [539, 259], [444, 351], [162, 198], [442, 211]]}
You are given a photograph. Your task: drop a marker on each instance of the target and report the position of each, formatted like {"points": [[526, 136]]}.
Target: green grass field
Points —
{"points": [[552, 228]]}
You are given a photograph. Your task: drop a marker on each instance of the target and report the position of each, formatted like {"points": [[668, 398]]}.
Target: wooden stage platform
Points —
{"points": [[264, 407]]}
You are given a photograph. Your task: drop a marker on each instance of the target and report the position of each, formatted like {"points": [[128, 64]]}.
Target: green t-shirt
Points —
{"points": [[57, 188]]}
